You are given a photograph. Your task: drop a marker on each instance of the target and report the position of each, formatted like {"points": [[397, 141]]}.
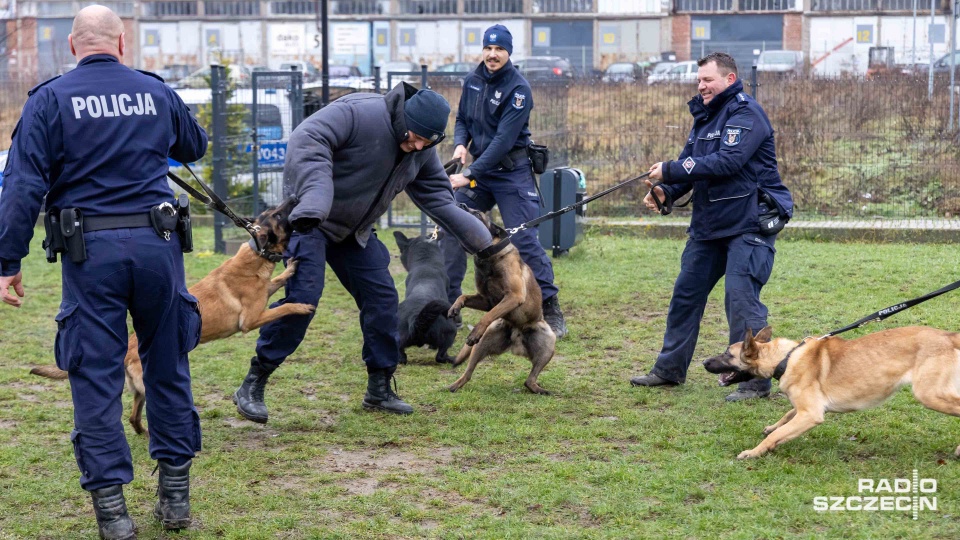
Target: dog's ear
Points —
{"points": [[402, 240], [750, 348], [765, 335]]}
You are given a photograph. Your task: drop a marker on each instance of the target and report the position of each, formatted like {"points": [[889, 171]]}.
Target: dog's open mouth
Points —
{"points": [[726, 378]]}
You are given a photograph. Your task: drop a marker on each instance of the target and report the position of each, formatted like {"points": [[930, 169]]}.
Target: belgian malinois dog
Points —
{"points": [[509, 293], [233, 298], [836, 375]]}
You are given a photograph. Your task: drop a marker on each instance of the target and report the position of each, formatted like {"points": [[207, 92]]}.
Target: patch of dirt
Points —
{"points": [[32, 398], [360, 486], [7, 424], [372, 460], [28, 386]]}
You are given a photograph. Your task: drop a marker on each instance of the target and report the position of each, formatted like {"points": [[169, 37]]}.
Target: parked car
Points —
{"points": [[310, 71], [786, 63], [659, 68], [623, 72], [400, 66], [349, 77], [681, 72], [239, 76], [943, 64], [545, 68], [458, 67]]}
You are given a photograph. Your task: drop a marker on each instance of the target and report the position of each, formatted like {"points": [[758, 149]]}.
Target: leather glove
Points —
{"points": [[305, 224]]}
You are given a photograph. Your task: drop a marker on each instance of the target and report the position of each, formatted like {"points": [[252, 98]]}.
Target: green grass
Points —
{"points": [[597, 459]]}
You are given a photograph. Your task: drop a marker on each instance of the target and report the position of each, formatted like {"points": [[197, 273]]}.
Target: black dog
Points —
{"points": [[423, 312]]}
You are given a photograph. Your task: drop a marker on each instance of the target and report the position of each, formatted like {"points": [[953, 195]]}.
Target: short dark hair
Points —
{"points": [[725, 62]]}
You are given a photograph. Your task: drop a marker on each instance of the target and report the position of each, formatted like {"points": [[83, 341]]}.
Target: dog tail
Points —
{"points": [[50, 372], [428, 315]]}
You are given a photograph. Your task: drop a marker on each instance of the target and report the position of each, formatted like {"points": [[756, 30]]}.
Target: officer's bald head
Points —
{"points": [[96, 30]]}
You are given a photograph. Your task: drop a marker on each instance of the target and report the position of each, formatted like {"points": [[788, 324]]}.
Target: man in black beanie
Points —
{"points": [[493, 119], [345, 163]]}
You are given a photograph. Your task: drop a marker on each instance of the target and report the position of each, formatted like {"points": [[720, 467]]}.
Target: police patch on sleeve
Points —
{"points": [[519, 100], [689, 164], [732, 136]]}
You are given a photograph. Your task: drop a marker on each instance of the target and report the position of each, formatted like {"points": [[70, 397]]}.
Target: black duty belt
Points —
{"points": [[510, 160], [101, 223]]}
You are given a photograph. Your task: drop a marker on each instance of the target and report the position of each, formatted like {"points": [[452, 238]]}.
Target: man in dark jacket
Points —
{"points": [[346, 163], [95, 142], [739, 204], [494, 112]]}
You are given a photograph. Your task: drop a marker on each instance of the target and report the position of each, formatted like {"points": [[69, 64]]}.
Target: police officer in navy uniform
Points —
{"points": [[95, 141], [492, 118], [346, 163], [739, 203]]}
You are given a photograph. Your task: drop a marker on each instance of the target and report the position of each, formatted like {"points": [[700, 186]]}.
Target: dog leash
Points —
{"points": [[896, 308], [214, 202], [574, 206], [876, 316]]}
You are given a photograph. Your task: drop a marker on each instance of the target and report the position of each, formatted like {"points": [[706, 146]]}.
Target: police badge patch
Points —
{"points": [[732, 136], [519, 100], [689, 164]]}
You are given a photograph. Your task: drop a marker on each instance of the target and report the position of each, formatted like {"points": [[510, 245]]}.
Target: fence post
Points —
{"points": [[754, 84], [423, 84], [218, 99], [255, 145]]}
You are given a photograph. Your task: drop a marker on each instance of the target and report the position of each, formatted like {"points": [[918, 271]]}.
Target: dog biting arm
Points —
{"points": [[431, 193]]}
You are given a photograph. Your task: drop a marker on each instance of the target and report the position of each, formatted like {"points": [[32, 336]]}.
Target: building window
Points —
{"points": [[359, 7], [432, 7], [704, 5], [239, 8], [172, 8], [493, 6], [563, 6], [767, 5], [873, 5], [295, 7]]}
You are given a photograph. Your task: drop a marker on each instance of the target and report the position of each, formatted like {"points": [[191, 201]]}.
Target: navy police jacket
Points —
{"points": [[345, 165], [493, 115], [729, 157], [97, 139]]}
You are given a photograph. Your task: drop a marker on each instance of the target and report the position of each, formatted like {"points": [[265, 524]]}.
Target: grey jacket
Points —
{"points": [[345, 165]]}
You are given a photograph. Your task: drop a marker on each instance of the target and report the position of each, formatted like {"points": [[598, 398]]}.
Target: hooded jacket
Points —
{"points": [[345, 165], [729, 157]]}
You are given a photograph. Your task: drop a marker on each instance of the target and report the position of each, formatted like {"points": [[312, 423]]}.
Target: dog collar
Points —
{"points": [[493, 249], [782, 366], [271, 256]]}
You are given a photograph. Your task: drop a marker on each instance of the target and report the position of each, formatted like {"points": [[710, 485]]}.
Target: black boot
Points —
{"points": [[112, 519], [380, 397], [173, 491], [554, 317], [249, 397]]}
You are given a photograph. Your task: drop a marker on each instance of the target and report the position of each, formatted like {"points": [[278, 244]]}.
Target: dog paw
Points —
{"points": [[747, 454], [303, 309], [445, 360], [292, 265], [537, 389], [454, 387], [474, 337], [768, 430], [957, 452], [453, 311]]}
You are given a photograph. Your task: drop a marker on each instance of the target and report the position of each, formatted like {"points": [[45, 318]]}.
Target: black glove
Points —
{"points": [[305, 224]]}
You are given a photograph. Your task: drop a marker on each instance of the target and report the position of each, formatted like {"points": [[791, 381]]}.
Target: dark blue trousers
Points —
{"points": [[363, 272], [747, 261], [137, 271], [515, 193]]}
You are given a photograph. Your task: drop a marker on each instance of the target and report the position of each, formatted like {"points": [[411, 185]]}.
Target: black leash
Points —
{"points": [[574, 206], [214, 202], [873, 317], [896, 308]]}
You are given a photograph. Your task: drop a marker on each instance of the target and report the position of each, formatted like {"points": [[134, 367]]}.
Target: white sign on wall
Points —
{"points": [[350, 38], [287, 39]]}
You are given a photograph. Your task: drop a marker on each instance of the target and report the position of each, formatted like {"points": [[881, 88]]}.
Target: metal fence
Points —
{"points": [[847, 148]]}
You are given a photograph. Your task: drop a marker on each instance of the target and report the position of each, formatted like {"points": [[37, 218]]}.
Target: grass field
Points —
{"points": [[597, 459]]}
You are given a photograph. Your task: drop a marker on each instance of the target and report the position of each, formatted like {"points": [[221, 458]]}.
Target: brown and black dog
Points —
{"points": [[233, 298], [509, 293], [836, 375]]}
